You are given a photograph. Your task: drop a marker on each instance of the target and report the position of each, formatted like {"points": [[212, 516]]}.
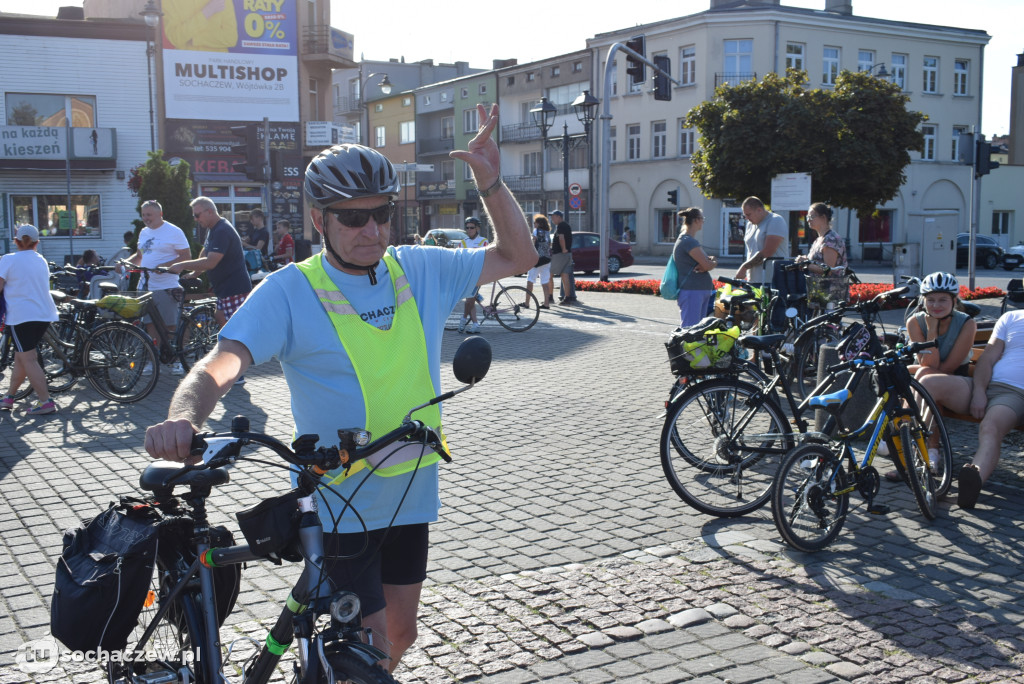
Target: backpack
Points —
{"points": [[253, 260], [707, 346], [103, 578]]}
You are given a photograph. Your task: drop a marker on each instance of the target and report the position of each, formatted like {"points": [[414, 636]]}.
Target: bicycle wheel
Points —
{"points": [[806, 512], [60, 375], [516, 308], [351, 668], [115, 356], [714, 443], [807, 355], [919, 476], [197, 335], [940, 456]]}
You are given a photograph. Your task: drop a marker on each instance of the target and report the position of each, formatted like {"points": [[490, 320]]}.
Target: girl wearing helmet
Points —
{"points": [[942, 321]]}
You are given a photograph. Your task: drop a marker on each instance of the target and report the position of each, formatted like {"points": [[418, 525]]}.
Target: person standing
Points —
{"points": [[161, 243], [222, 258], [125, 252], [258, 236], [694, 268], [284, 251], [561, 257], [473, 241], [363, 364], [826, 270], [542, 270], [25, 286], [766, 236]]}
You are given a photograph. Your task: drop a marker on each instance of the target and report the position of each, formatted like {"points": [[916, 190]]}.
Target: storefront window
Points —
{"points": [[35, 109], [734, 226], [666, 226], [624, 220], [50, 214], [877, 227]]}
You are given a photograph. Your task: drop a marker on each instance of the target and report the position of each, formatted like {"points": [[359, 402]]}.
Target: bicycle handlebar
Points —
{"points": [[139, 267], [901, 354]]}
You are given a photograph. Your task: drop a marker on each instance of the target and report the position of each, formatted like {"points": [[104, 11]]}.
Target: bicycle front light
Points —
{"points": [[345, 607]]}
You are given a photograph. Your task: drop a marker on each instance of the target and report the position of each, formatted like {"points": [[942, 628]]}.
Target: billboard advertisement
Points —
{"points": [[231, 60]]}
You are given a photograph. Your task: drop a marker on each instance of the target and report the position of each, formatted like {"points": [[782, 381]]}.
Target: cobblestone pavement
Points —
{"points": [[562, 554]]}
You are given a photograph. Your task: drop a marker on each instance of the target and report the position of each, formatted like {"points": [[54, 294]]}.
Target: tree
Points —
{"points": [[854, 139], [169, 185]]}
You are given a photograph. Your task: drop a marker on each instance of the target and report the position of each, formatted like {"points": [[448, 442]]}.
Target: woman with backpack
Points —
{"points": [[542, 271]]}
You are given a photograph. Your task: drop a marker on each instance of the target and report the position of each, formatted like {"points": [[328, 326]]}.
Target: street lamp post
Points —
{"points": [[151, 13], [586, 111], [385, 87]]}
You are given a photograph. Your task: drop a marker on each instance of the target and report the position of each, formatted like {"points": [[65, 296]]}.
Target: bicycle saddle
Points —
{"points": [[832, 400], [160, 475], [761, 342]]}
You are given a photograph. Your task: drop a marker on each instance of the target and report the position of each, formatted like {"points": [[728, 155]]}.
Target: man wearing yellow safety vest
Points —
{"points": [[357, 329]]}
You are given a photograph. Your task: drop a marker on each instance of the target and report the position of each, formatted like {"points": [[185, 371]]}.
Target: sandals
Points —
{"points": [[969, 486]]}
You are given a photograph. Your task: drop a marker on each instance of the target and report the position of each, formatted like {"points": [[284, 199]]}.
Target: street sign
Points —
{"points": [[575, 201], [575, 189], [413, 167]]}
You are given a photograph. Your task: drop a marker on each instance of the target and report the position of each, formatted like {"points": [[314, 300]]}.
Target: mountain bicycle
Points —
{"points": [[514, 307], [724, 437], [811, 496], [180, 616]]}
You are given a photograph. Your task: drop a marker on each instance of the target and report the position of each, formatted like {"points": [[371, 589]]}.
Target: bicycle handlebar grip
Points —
{"points": [[198, 447], [733, 281], [239, 424]]}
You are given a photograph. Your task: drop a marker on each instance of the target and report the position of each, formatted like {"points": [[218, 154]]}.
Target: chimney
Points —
{"points": [[72, 13], [839, 6]]}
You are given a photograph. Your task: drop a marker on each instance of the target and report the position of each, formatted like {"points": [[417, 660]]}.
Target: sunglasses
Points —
{"points": [[357, 218], [197, 215]]}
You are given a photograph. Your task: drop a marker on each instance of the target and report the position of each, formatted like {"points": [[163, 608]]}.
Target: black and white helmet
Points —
{"points": [[940, 282], [345, 172]]}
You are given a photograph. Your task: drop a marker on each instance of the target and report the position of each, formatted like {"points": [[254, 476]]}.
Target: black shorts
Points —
{"points": [[26, 335], [396, 556]]}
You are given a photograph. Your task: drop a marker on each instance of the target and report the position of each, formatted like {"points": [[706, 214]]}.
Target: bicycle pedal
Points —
{"points": [[879, 509]]}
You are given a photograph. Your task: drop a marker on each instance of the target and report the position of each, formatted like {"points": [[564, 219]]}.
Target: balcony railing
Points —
{"points": [[520, 132], [346, 105], [523, 183], [435, 145], [317, 40], [734, 78]]}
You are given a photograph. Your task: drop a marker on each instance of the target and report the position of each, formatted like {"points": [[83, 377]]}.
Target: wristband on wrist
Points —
{"points": [[492, 189]]}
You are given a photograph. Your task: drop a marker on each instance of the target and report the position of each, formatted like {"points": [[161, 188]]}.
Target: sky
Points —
{"points": [[529, 30]]}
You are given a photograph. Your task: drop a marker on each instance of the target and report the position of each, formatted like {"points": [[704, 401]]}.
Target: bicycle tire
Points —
{"points": [[60, 375], [509, 310], [704, 450], [350, 668], [806, 514], [806, 356], [115, 356], [197, 335], [919, 476], [940, 458]]}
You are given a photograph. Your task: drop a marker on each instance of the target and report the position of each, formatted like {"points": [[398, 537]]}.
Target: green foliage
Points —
{"points": [[171, 186], [853, 139]]}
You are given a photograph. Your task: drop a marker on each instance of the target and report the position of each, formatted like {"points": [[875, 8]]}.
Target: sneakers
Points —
{"points": [[177, 368], [969, 486], [473, 328], [147, 369], [462, 324], [240, 380], [42, 409], [7, 403]]}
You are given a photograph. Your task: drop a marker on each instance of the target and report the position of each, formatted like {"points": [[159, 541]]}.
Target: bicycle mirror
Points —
{"points": [[472, 359]]}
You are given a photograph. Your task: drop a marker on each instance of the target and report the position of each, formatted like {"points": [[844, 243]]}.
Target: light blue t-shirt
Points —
{"points": [[282, 318]]}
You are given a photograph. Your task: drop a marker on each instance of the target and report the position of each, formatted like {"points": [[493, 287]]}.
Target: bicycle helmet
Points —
{"points": [[473, 220], [345, 172], [940, 282]]}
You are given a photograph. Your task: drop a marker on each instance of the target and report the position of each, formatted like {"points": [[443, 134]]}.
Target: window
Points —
{"points": [[465, 93], [688, 65], [960, 67], [531, 207], [482, 90], [686, 138], [556, 71], [529, 77], [510, 81], [378, 108], [624, 220], [612, 142], [957, 130], [795, 56], [931, 75], [577, 67], [829, 66], [929, 142], [667, 225], [426, 99], [865, 60], [658, 140], [531, 164], [899, 70], [447, 127], [30, 109], [314, 98], [407, 178], [633, 141], [470, 121], [407, 132], [444, 96], [633, 87], [737, 64], [406, 101], [876, 227], [1001, 222], [577, 158], [50, 213], [467, 172], [379, 139], [448, 170]]}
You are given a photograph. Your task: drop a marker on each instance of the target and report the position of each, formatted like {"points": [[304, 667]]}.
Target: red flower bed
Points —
{"points": [[858, 293]]}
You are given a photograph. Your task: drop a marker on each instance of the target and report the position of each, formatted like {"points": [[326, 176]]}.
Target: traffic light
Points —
{"points": [[637, 70], [662, 84], [247, 147], [983, 163], [673, 198]]}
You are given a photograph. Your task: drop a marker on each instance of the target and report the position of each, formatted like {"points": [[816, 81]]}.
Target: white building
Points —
{"points": [[938, 67], [85, 68]]}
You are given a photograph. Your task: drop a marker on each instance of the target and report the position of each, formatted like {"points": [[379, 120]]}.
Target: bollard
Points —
{"points": [[859, 407]]}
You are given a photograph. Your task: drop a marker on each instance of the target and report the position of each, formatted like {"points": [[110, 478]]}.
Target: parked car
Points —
{"points": [[988, 253], [447, 237], [585, 253], [1013, 257]]}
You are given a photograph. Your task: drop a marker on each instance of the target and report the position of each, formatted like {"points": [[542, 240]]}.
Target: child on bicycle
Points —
{"points": [[25, 285]]}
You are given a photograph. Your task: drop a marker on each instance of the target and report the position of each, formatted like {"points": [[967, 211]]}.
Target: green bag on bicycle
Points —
{"points": [[125, 307]]}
